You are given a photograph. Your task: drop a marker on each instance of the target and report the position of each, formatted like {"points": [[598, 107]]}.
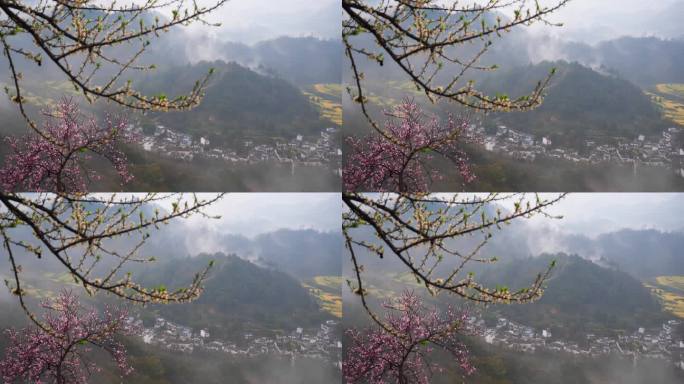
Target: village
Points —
{"points": [[660, 152], [659, 343], [322, 150], [322, 343]]}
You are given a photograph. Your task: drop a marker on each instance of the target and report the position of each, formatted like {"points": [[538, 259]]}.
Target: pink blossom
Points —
{"points": [[61, 355], [400, 164], [56, 159], [400, 354]]}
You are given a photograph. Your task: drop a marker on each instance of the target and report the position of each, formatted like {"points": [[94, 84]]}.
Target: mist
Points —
{"points": [[252, 214], [251, 21], [593, 214], [608, 251], [583, 222], [592, 21]]}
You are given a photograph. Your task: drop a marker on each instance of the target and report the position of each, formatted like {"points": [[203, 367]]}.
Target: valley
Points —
{"points": [[610, 120], [663, 151], [274, 125], [284, 126], [314, 151], [647, 343], [596, 314], [321, 343]]}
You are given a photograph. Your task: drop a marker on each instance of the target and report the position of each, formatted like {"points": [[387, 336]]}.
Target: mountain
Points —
{"points": [[668, 22], [300, 60], [641, 253], [303, 253], [643, 60], [581, 297], [239, 296], [580, 104], [238, 102]]}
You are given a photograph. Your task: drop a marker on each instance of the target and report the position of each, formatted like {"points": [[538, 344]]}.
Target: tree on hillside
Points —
{"points": [[80, 39], [38, 356], [420, 231], [94, 238], [94, 45], [425, 40]]}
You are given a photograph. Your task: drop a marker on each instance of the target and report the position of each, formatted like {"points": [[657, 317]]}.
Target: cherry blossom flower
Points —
{"points": [[56, 158], [59, 353], [398, 162], [400, 353]]}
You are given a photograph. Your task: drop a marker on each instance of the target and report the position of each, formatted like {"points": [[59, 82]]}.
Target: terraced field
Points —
{"points": [[328, 290], [30, 291], [407, 88], [676, 282], [328, 98], [407, 278], [46, 93], [62, 279], [670, 98], [670, 290], [676, 90]]}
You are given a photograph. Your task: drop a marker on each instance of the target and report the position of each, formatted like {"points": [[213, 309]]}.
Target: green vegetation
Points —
{"points": [[239, 103], [581, 297], [239, 297], [581, 105]]}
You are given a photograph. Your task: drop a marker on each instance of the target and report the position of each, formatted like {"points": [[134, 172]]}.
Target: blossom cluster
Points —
{"points": [[58, 157], [58, 350], [398, 160], [399, 351]]}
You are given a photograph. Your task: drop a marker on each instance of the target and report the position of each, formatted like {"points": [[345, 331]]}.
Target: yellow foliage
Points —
{"points": [[334, 282], [328, 99], [676, 282], [670, 98], [670, 291], [331, 89], [676, 90], [328, 291], [407, 278]]}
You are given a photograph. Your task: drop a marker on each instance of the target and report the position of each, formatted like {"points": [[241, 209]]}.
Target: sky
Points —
{"points": [[591, 214], [251, 214], [251, 21], [595, 20]]}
